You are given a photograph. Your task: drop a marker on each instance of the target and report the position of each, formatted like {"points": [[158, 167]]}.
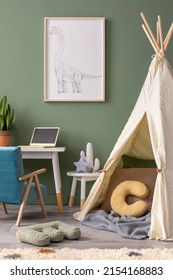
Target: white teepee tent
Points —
{"points": [[147, 134]]}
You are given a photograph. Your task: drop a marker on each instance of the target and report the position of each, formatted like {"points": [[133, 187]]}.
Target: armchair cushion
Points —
{"points": [[11, 167]]}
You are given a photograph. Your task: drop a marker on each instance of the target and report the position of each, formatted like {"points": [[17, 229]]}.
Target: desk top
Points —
{"points": [[44, 150]]}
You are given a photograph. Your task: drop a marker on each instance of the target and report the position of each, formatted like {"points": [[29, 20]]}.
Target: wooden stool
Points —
{"points": [[83, 177]]}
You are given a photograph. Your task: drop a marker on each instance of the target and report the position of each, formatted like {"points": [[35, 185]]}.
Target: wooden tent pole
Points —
{"points": [[168, 37], [151, 41], [160, 34], [158, 45], [158, 37], [150, 32]]}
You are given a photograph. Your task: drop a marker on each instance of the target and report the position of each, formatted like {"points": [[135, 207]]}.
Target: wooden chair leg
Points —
{"points": [[37, 184], [24, 200], [4, 208]]}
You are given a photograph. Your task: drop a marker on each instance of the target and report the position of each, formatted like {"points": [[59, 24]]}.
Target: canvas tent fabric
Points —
{"points": [[148, 134]]}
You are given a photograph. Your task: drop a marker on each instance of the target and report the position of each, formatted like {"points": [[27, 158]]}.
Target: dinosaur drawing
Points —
{"points": [[64, 72]]}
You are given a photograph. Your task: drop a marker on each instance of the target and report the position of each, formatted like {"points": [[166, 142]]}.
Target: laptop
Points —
{"points": [[44, 137]]}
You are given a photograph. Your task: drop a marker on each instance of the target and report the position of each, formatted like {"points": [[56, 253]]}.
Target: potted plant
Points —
{"points": [[7, 119]]}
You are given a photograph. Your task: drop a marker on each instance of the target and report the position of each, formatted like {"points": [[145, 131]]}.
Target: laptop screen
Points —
{"points": [[45, 136]]}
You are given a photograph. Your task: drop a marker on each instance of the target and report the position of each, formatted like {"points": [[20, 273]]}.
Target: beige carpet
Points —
{"points": [[86, 254]]}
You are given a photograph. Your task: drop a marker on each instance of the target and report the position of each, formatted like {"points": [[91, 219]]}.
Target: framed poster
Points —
{"points": [[74, 59]]}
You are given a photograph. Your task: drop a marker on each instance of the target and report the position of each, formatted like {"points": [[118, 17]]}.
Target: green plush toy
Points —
{"points": [[43, 234]]}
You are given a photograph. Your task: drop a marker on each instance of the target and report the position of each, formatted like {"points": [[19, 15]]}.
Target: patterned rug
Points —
{"points": [[86, 254]]}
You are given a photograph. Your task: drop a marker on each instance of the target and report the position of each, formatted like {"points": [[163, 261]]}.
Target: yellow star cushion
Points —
{"points": [[118, 198]]}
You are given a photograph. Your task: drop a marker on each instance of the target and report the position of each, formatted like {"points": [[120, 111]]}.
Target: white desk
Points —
{"points": [[48, 153]]}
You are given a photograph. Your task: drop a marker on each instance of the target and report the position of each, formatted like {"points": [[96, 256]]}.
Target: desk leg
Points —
{"points": [[57, 179]]}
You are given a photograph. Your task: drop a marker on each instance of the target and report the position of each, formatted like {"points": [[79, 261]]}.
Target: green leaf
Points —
{"points": [[3, 106], [2, 122], [7, 118], [10, 119]]}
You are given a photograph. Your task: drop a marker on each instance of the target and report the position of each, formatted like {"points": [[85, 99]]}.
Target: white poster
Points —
{"points": [[74, 59]]}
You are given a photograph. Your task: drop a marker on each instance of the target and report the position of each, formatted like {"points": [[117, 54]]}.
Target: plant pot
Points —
{"points": [[5, 137]]}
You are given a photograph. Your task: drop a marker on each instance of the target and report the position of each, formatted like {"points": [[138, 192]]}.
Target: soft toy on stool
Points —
{"points": [[43, 234], [118, 198]]}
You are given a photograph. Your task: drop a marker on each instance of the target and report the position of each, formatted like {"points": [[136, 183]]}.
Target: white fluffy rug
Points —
{"points": [[86, 254]]}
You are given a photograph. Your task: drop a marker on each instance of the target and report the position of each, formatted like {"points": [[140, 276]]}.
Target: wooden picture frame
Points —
{"points": [[74, 59]]}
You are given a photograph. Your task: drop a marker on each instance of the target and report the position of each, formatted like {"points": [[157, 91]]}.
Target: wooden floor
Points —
{"points": [[90, 238]]}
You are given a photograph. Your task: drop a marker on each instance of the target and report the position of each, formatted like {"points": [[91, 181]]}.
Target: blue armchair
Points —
{"points": [[15, 187]]}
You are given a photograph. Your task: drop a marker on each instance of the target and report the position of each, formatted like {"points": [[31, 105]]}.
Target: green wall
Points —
{"points": [[128, 54]]}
